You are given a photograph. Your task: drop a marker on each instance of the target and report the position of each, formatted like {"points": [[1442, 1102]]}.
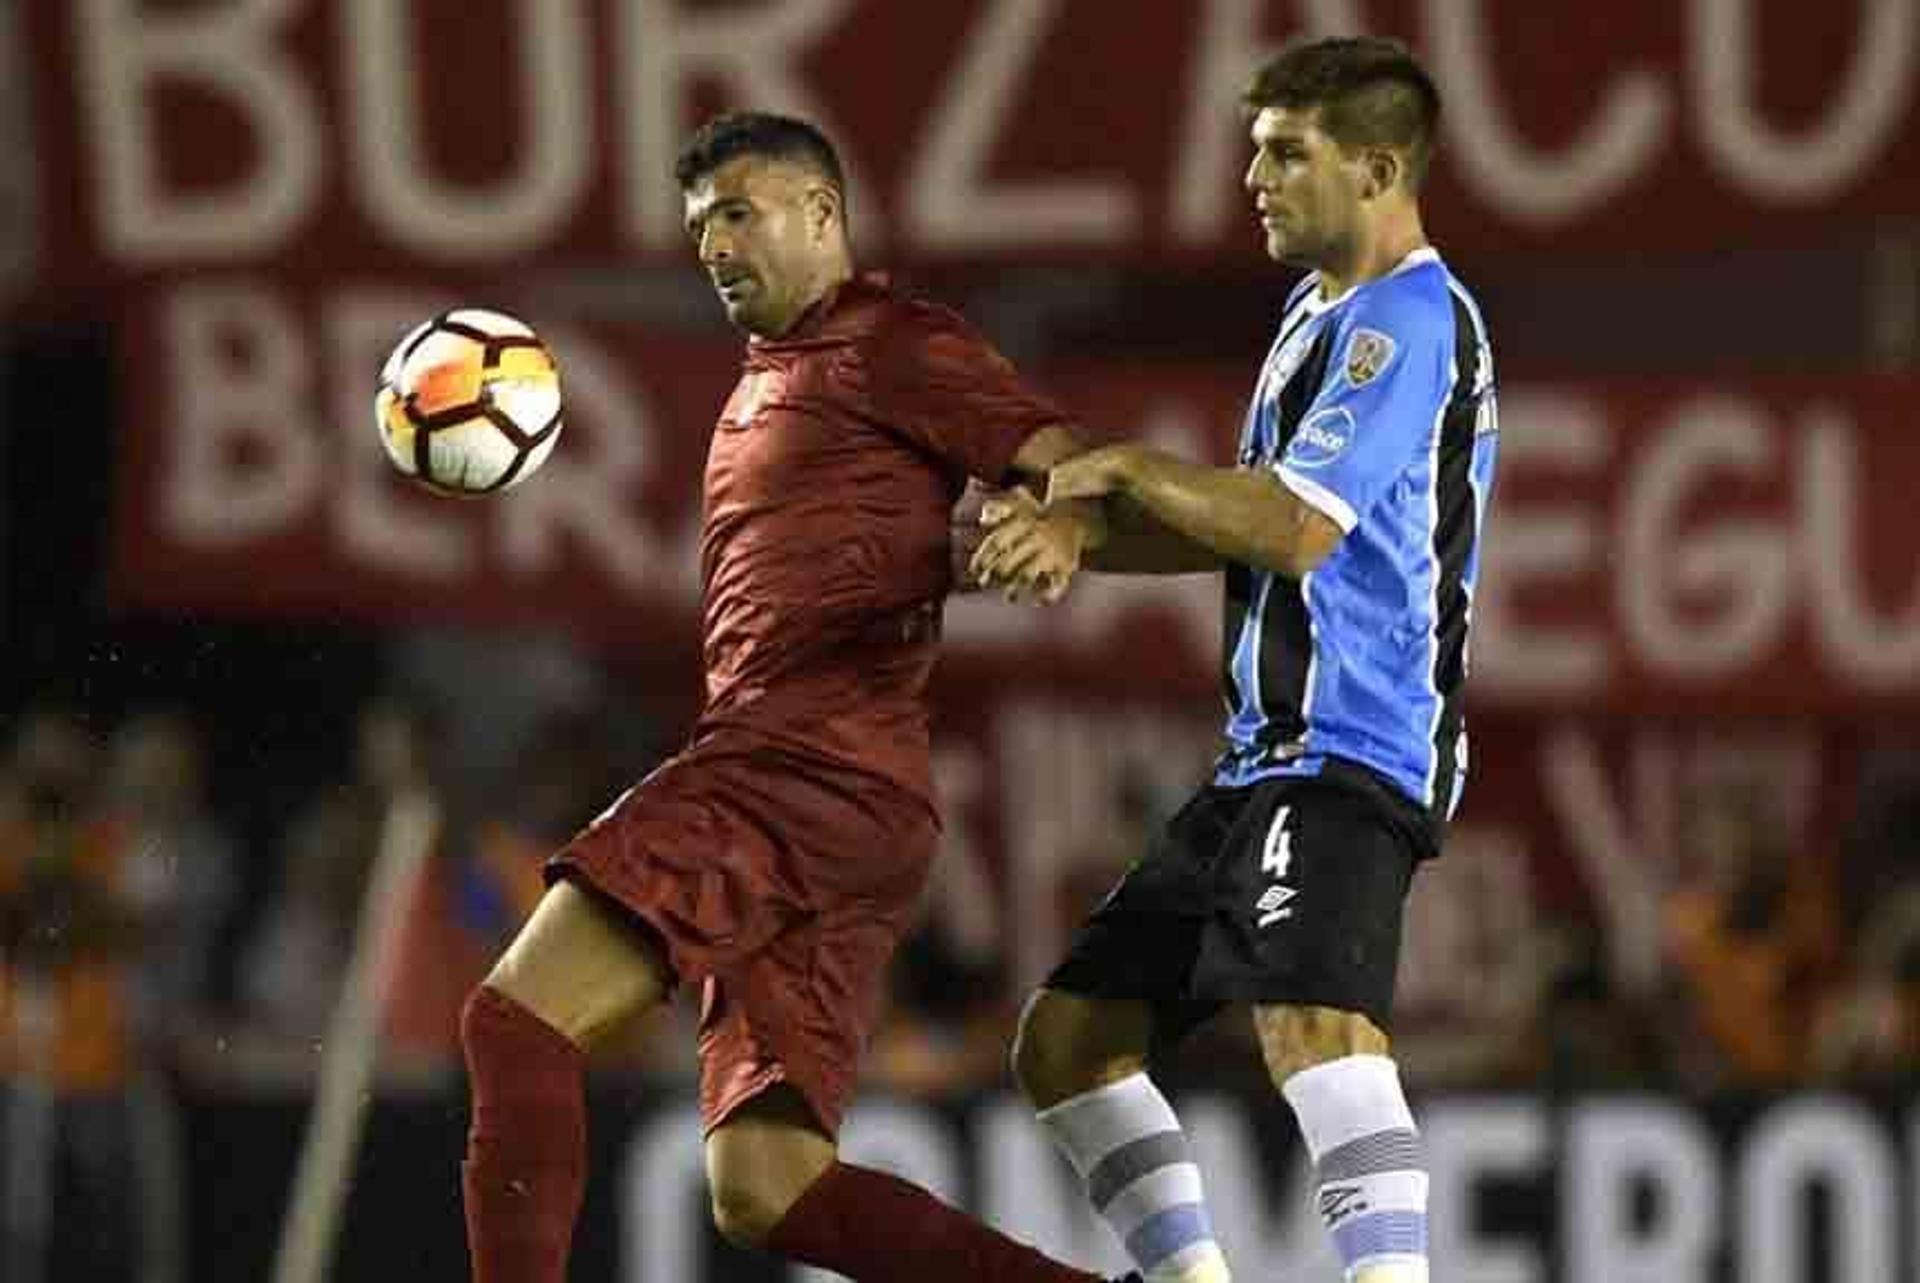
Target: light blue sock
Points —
{"points": [[1127, 1145], [1370, 1180]]}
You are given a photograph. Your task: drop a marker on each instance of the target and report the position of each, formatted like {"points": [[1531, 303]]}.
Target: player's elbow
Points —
{"points": [[1286, 557], [1307, 558], [1296, 547]]}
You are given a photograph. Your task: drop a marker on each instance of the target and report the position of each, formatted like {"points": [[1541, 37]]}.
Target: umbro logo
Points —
{"points": [[1273, 905], [1338, 1202]]}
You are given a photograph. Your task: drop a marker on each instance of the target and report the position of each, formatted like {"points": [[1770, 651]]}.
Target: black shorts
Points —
{"points": [[1285, 891]]}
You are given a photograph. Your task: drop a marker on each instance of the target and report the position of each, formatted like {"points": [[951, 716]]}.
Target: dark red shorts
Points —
{"points": [[782, 886]]}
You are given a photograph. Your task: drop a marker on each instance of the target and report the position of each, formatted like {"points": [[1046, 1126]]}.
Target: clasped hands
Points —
{"points": [[1033, 547]]}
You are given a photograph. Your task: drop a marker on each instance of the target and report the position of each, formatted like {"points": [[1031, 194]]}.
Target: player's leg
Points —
{"points": [[1084, 1041], [1320, 896], [760, 1161], [574, 972], [1082, 1063], [777, 1184], [1335, 1069], [1069, 1044]]}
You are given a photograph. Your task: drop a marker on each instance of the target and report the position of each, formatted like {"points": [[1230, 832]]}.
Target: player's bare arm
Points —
{"points": [[1138, 543], [1238, 514], [1114, 535], [1132, 541], [1027, 553]]}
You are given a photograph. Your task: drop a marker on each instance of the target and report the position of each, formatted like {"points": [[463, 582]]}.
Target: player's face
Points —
{"points": [[767, 234], [1303, 187]]}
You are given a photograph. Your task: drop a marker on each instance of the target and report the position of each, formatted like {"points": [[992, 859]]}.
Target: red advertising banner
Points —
{"points": [[366, 136], [1664, 547]]}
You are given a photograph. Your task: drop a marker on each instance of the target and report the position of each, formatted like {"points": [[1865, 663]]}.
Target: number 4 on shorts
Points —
{"points": [[1277, 856]]}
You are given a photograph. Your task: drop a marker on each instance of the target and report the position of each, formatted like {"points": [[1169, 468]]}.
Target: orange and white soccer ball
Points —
{"points": [[469, 403]]}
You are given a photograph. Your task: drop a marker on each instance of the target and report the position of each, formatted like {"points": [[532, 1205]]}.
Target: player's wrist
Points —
{"points": [[1126, 467], [1087, 519]]}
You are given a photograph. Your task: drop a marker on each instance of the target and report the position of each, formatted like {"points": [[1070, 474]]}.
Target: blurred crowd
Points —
{"points": [[126, 946], [134, 968]]}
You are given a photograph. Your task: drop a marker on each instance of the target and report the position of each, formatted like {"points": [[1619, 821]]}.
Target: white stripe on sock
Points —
{"points": [[1345, 1099], [1095, 1123], [1096, 1126]]}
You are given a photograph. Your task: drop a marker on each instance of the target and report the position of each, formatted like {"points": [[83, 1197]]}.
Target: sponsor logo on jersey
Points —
{"points": [[1321, 438], [1368, 353]]}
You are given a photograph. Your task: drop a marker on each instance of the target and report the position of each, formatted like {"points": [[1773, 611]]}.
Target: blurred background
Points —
{"points": [[1660, 1000]]}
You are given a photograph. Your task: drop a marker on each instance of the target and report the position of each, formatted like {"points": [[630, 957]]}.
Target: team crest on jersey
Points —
{"points": [[1368, 353]]}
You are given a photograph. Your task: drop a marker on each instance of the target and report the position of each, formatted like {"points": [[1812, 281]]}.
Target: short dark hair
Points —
{"points": [[1371, 92], [756, 133]]}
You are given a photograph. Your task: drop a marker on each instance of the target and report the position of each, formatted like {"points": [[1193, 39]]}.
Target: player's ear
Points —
{"points": [[823, 208], [1381, 169]]}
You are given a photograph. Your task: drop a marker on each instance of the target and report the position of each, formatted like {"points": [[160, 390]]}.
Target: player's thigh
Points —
{"points": [[1070, 1043], [1296, 1037], [580, 968], [1139, 945], [761, 1159], [1309, 901]]}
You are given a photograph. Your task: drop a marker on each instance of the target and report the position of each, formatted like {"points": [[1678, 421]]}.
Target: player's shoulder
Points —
{"points": [[907, 317], [916, 333], [1415, 307], [1417, 296]]}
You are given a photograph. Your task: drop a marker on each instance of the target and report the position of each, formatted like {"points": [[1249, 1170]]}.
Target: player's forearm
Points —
{"points": [[1036, 458], [1136, 543], [1238, 514]]}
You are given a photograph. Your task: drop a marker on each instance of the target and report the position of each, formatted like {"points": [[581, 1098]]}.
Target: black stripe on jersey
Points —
{"points": [[1236, 603], [1286, 643], [1454, 534], [1284, 649]]}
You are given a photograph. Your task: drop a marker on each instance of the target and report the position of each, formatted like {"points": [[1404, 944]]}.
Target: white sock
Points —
{"points": [[1370, 1179], [1127, 1145]]}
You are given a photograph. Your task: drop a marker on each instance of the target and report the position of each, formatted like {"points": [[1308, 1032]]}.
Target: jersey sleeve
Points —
{"points": [[942, 385], [1387, 381]]}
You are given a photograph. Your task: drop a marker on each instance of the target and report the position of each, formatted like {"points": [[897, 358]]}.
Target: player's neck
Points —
{"points": [[817, 299], [1397, 234]]}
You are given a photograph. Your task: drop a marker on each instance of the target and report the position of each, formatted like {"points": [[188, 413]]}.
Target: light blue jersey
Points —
{"points": [[1378, 409]]}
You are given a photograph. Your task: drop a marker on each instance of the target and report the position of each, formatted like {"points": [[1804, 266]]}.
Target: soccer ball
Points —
{"points": [[469, 403]]}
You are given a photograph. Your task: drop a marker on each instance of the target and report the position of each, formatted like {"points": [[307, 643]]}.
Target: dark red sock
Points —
{"points": [[526, 1142], [873, 1228]]}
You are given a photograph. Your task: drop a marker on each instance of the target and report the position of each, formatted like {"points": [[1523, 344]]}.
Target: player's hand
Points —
{"points": [[998, 506], [980, 509], [1090, 475], [1029, 555]]}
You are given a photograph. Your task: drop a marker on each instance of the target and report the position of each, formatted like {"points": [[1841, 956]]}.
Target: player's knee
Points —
{"points": [[745, 1211], [1037, 1051], [760, 1161], [1293, 1038], [1067, 1045]]}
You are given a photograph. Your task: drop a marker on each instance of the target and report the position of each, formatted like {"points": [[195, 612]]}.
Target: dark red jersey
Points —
{"points": [[824, 553], [779, 857]]}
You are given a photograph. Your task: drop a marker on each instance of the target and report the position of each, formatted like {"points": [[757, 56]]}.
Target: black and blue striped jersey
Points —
{"points": [[1378, 409]]}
